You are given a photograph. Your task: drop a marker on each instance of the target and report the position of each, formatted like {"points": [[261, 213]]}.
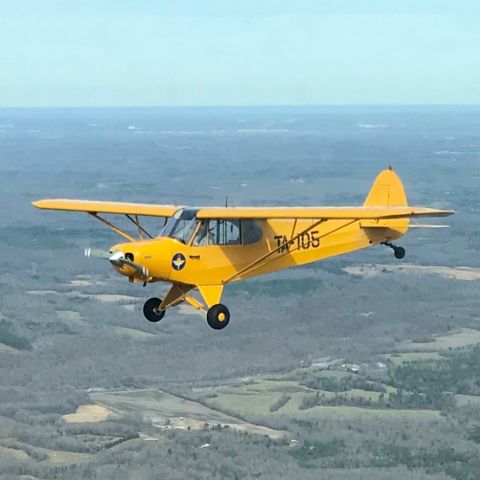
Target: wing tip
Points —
{"points": [[44, 203]]}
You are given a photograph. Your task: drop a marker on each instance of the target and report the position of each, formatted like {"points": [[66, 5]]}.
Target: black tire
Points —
{"points": [[218, 316], [399, 252], [150, 310]]}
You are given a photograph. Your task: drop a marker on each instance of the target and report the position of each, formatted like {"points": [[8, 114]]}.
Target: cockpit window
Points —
{"points": [[211, 232], [181, 225], [227, 232], [202, 236]]}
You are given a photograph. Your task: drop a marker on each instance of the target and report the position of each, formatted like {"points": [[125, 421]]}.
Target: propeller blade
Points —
{"points": [[96, 253]]}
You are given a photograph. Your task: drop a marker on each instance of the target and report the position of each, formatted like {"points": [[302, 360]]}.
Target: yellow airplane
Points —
{"points": [[208, 248]]}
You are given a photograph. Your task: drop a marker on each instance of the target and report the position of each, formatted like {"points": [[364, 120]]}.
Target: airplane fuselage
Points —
{"points": [[281, 244]]}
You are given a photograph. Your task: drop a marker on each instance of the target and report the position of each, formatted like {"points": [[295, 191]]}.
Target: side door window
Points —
{"points": [[218, 232], [230, 232]]}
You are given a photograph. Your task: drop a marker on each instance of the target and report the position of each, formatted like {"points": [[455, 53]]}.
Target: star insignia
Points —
{"points": [[178, 261]]}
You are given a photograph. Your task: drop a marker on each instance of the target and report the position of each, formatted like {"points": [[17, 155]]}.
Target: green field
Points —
{"points": [[165, 410]]}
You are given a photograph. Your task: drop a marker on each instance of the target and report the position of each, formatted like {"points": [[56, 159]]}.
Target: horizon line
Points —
{"points": [[271, 105]]}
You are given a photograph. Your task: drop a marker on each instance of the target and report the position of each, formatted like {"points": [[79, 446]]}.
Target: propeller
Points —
{"points": [[117, 258], [97, 253]]}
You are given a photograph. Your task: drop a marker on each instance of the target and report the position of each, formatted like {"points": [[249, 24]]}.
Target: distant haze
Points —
{"points": [[146, 53]]}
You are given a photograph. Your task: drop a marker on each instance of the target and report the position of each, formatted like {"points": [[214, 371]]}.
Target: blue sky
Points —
{"points": [[186, 52]]}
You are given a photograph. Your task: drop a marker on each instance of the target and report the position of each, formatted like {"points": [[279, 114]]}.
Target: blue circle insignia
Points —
{"points": [[178, 261]]}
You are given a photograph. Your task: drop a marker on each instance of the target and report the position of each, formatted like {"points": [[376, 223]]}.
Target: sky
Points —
{"points": [[57, 53]]}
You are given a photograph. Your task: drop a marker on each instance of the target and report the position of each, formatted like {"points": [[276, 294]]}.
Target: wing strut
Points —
{"points": [[120, 232], [140, 229], [113, 227]]}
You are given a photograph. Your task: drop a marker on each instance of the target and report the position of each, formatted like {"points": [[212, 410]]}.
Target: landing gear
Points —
{"points": [[218, 316], [399, 252], [151, 311]]}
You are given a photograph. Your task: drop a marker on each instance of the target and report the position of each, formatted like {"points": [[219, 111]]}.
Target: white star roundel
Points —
{"points": [[178, 261]]}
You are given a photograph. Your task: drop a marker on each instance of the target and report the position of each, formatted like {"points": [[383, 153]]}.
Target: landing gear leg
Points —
{"points": [[218, 316], [151, 310], [399, 252]]}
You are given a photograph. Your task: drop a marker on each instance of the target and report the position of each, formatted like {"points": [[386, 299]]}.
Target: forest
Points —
{"points": [[358, 367]]}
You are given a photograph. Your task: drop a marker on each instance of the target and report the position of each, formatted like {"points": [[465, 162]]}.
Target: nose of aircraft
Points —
{"points": [[126, 261], [143, 260], [116, 257]]}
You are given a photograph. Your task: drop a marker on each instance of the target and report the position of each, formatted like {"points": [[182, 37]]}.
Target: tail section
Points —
{"points": [[387, 191]]}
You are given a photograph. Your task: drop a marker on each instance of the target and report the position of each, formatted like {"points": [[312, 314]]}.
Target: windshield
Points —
{"points": [[181, 225]]}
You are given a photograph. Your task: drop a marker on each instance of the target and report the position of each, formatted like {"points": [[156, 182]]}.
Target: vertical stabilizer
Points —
{"points": [[387, 191]]}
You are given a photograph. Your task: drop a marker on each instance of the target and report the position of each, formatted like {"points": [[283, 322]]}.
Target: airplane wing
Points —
{"points": [[326, 213], [119, 208]]}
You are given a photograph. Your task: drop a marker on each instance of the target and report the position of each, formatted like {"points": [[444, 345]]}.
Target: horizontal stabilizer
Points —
{"points": [[419, 225], [397, 226]]}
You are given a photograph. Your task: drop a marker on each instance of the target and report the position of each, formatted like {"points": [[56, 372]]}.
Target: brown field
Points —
{"points": [[88, 414], [18, 454]]}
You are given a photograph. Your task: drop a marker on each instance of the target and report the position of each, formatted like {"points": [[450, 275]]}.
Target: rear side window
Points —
{"points": [[251, 232]]}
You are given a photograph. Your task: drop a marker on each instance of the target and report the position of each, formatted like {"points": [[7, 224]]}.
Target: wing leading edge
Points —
{"points": [[326, 213], [119, 208]]}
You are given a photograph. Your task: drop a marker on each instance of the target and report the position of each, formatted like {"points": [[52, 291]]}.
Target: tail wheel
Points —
{"points": [[151, 310], [399, 252], [218, 316]]}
